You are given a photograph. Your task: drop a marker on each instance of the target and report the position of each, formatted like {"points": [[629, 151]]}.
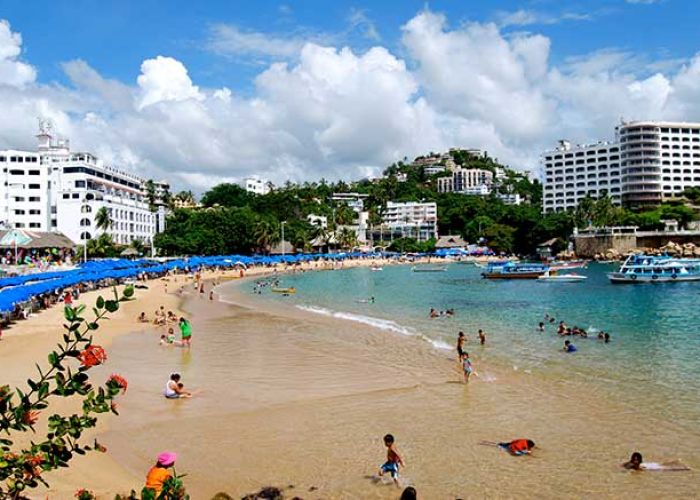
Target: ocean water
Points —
{"points": [[651, 365]]}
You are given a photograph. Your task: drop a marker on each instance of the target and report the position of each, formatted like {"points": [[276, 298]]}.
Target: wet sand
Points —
{"points": [[290, 398]]}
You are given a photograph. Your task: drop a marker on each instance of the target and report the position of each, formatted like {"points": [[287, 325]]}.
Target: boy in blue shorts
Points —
{"points": [[393, 459]]}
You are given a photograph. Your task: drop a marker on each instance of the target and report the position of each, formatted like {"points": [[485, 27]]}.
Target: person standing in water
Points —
{"points": [[482, 337], [461, 339], [186, 332], [467, 366], [393, 459]]}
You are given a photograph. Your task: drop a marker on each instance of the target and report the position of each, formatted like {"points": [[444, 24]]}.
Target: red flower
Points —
{"points": [[30, 417], [34, 460], [117, 381], [83, 494], [92, 355]]}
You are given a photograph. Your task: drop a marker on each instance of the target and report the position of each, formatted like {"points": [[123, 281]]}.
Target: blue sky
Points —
{"points": [[115, 37], [204, 92]]}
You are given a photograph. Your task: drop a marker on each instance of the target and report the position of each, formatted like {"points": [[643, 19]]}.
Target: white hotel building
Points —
{"points": [[411, 219], [55, 189], [649, 162]]}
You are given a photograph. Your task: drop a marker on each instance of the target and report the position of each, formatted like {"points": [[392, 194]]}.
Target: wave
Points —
{"points": [[382, 324]]}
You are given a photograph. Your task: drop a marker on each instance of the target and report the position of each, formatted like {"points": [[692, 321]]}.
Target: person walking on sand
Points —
{"points": [[393, 459], [186, 332], [159, 473]]}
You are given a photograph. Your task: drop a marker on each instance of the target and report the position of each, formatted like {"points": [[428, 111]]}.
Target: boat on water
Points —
{"points": [[440, 269], [285, 291], [515, 271], [656, 269], [553, 276], [376, 268]]}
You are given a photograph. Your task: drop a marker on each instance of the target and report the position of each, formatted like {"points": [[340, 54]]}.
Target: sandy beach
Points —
{"points": [[288, 398]]}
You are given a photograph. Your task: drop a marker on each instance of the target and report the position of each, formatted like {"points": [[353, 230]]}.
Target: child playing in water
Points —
{"points": [[636, 462], [393, 459], [482, 337], [467, 365]]}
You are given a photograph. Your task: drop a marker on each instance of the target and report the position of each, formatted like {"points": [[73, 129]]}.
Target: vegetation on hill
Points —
{"points": [[234, 221]]}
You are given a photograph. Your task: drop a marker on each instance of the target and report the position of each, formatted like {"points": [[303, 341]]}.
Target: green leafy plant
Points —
{"points": [[23, 467]]}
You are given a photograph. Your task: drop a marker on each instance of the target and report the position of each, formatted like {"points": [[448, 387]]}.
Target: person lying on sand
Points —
{"points": [[636, 462], [517, 447]]}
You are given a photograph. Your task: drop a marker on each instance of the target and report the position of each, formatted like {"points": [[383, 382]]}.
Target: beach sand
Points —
{"points": [[289, 398]]}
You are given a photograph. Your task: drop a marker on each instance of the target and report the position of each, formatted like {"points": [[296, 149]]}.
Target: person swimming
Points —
{"points": [[541, 327], [517, 447], [636, 462], [569, 347]]}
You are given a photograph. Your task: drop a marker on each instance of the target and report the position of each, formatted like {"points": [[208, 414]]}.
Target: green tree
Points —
{"points": [[346, 238], [267, 235], [151, 194], [226, 195], [103, 220]]}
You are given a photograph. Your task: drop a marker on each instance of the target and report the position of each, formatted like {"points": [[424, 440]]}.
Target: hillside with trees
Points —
{"points": [[232, 220]]}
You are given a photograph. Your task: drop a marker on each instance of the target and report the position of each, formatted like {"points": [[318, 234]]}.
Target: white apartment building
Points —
{"points": [[256, 185], [659, 160], [573, 172], [649, 162], [467, 181], [55, 189], [411, 219]]}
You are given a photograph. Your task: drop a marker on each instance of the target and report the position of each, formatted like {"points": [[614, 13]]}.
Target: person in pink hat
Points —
{"points": [[159, 473]]}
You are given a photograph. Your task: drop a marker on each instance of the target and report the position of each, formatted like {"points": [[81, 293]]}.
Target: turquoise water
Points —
{"points": [[652, 363]]}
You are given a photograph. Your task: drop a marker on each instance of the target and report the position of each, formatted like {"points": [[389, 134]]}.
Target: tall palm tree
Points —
{"points": [[103, 220], [266, 236], [151, 194], [346, 238]]}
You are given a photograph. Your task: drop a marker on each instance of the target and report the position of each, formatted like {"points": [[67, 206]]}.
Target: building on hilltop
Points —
{"points": [[475, 181], [256, 185], [55, 189], [648, 163]]}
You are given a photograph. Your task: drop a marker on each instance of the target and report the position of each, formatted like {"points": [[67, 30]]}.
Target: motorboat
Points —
{"points": [[571, 264], [656, 269], [422, 269], [553, 275], [515, 271]]}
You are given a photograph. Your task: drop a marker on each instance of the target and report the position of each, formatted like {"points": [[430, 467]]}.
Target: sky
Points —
{"points": [[199, 93]]}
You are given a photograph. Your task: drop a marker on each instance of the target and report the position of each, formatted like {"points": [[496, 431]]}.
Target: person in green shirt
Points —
{"points": [[186, 332]]}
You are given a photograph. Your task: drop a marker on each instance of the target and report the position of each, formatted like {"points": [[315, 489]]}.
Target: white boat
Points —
{"points": [[376, 268], [562, 278], [653, 269], [416, 269]]}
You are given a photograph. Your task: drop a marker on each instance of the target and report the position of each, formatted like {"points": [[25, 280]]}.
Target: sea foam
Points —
{"points": [[382, 324]]}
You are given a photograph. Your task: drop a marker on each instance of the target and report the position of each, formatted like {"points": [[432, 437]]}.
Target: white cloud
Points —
{"points": [[336, 113], [527, 17], [644, 2], [12, 71], [165, 79], [229, 40]]}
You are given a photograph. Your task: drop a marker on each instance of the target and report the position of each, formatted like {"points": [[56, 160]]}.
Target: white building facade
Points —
{"points": [[649, 162], [412, 219], [55, 189], [256, 185], [573, 172], [466, 181]]}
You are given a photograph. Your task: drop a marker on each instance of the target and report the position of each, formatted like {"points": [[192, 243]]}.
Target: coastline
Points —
{"points": [[296, 398]]}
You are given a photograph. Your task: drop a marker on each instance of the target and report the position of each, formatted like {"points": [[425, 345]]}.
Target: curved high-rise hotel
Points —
{"points": [[649, 162]]}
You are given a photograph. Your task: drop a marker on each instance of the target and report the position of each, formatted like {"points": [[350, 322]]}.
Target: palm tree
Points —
{"points": [[346, 238], [151, 194], [266, 236], [102, 219]]}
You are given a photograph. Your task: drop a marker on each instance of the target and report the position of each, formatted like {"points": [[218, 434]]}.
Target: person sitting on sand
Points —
{"points": [[142, 318], [636, 462], [569, 347], [174, 389], [393, 459], [159, 474]]}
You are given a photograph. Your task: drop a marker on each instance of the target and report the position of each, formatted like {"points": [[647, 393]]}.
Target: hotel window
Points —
{"points": [[34, 198], [19, 224], [16, 172], [66, 196], [35, 186], [19, 198], [34, 212], [19, 212], [34, 172], [34, 225]]}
